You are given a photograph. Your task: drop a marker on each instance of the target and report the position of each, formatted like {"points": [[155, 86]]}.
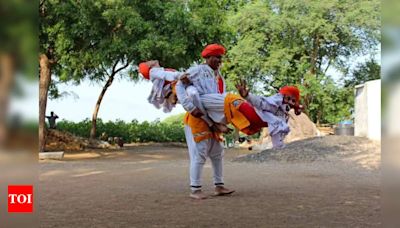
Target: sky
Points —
{"points": [[124, 100]]}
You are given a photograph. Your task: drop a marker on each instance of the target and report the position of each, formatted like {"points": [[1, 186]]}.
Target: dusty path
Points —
{"points": [[147, 186]]}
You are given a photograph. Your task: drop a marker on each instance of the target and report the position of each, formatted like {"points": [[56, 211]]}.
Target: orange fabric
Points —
{"points": [[200, 129], [213, 50], [291, 91], [144, 69], [232, 113]]}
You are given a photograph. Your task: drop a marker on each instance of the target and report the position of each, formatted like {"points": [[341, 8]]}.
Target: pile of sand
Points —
{"points": [[362, 151], [64, 141], [301, 127]]}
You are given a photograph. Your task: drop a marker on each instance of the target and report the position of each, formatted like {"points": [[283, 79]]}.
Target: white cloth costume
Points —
{"points": [[158, 77], [275, 113], [269, 109], [203, 81]]}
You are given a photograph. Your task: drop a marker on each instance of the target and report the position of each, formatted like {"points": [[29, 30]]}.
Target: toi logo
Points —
{"points": [[20, 198]]}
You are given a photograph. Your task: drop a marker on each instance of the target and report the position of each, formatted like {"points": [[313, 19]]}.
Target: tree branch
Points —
{"points": [[314, 54], [329, 64], [105, 70], [121, 68], [113, 68]]}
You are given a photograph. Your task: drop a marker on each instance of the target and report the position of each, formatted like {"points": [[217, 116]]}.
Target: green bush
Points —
{"points": [[130, 131]]}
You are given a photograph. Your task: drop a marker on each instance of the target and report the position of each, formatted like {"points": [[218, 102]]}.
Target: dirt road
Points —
{"points": [[147, 186]]}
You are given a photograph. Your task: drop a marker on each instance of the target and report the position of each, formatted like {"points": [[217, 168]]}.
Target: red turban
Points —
{"points": [[213, 50], [144, 69], [291, 91]]}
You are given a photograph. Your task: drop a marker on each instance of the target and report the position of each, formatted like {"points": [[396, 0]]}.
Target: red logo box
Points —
{"points": [[20, 198]]}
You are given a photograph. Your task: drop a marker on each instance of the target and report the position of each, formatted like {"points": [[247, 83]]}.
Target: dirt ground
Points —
{"points": [[147, 186]]}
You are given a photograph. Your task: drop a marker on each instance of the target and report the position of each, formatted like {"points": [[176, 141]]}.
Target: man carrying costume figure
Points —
{"points": [[201, 92], [202, 141]]}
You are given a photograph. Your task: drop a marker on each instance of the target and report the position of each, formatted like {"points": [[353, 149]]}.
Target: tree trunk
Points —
{"points": [[313, 71], [97, 107], [320, 115], [314, 55], [44, 82], [6, 82]]}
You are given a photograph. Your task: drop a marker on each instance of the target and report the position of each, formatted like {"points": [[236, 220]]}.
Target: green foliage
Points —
{"points": [[18, 35], [329, 103], [130, 131], [363, 72], [270, 43], [101, 39], [93, 38], [174, 119], [283, 42]]}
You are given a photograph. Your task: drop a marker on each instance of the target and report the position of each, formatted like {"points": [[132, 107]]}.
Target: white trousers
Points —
{"points": [[198, 152]]}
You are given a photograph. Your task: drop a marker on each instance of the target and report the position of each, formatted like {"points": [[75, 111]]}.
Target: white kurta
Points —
{"points": [[271, 110], [275, 113], [203, 79], [158, 76]]}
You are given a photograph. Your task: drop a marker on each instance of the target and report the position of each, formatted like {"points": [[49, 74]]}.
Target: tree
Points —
{"points": [[295, 42], [89, 40], [47, 60], [367, 71], [99, 40]]}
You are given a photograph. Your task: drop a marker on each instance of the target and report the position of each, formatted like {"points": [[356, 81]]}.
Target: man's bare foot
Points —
{"points": [[221, 191], [198, 194]]}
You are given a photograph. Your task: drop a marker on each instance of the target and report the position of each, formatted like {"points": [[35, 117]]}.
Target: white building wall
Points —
{"points": [[367, 122], [360, 111]]}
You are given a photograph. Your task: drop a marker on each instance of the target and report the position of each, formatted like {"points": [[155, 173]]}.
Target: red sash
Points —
{"points": [[256, 123]]}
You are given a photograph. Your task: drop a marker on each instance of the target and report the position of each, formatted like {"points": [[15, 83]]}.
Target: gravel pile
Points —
{"points": [[358, 149]]}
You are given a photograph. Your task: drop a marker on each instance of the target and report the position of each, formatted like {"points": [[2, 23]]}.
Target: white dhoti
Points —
{"points": [[198, 153]]}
